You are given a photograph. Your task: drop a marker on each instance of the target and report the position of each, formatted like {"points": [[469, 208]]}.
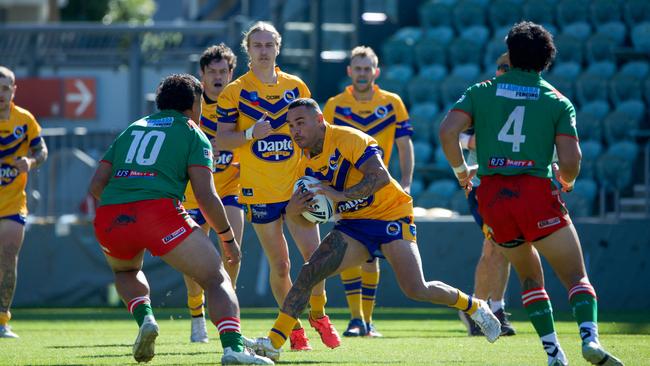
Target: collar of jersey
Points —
{"points": [[258, 81]]}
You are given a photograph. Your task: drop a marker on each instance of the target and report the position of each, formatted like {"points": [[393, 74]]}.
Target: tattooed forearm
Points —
{"points": [[39, 154], [322, 264], [372, 181]]}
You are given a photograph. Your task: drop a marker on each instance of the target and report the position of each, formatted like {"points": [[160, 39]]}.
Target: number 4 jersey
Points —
{"points": [[151, 157], [516, 118]]}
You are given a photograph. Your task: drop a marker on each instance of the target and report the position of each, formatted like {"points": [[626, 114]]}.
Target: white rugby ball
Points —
{"points": [[322, 206]]}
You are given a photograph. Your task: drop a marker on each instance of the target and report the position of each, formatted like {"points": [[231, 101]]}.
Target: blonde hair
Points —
{"points": [[261, 27], [365, 51], [5, 72]]}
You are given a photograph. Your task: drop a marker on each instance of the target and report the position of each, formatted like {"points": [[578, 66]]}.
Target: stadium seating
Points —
{"points": [[422, 151], [633, 108], [467, 72], [435, 14], [636, 11], [604, 11], [396, 51], [539, 11], [504, 13], [624, 87], [563, 85], [433, 72], [641, 37], [452, 88], [600, 48], [591, 87], [646, 90], [422, 116], [615, 31], [589, 126], [579, 30], [421, 90], [638, 69], [464, 51], [571, 11], [429, 52], [467, 13], [458, 203], [614, 172], [602, 68], [442, 34], [618, 126], [494, 48], [567, 70], [568, 48], [597, 108]]}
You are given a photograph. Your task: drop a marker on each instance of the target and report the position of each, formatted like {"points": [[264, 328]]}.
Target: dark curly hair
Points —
{"points": [[178, 92], [530, 47], [217, 53]]}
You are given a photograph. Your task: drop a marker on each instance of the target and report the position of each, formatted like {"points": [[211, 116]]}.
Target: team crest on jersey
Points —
{"points": [[289, 96], [393, 228], [274, 148], [222, 161], [254, 97], [381, 111], [19, 131], [333, 162], [8, 174], [354, 205]]}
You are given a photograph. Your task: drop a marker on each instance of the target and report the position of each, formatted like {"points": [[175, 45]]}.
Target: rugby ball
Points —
{"points": [[323, 207]]}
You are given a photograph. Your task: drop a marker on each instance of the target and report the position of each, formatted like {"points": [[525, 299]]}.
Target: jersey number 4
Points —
{"points": [[516, 122], [140, 145]]}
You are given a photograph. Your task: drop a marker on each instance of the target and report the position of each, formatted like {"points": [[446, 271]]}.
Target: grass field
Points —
{"points": [[431, 336]]}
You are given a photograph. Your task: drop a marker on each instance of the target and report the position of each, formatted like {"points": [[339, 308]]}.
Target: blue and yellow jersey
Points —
{"points": [[267, 165], [226, 163], [17, 135], [345, 149], [384, 117]]}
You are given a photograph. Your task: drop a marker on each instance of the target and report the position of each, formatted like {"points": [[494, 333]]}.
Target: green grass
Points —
{"points": [[431, 336]]}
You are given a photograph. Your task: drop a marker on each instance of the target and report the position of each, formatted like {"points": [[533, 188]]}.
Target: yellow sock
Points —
{"points": [[369, 282], [281, 329], [317, 306], [466, 303], [4, 318], [351, 279], [195, 303]]}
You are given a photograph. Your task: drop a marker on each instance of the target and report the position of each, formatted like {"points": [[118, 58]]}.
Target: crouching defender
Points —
{"points": [[376, 221]]}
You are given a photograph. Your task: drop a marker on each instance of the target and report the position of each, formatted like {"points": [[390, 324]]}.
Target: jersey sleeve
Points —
{"points": [[200, 151], [304, 90], [328, 110], [359, 148], [110, 154], [464, 104], [33, 131], [566, 123], [404, 127], [227, 103]]}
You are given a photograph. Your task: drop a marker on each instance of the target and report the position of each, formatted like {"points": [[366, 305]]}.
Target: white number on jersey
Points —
{"points": [[516, 138], [140, 144]]}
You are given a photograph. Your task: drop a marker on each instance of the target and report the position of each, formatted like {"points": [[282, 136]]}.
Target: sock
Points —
{"points": [[552, 347], [497, 305], [195, 304], [230, 333], [369, 282], [540, 312], [466, 303], [351, 279], [4, 318], [140, 307], [582, 297], [317, 306], [281, 329]]}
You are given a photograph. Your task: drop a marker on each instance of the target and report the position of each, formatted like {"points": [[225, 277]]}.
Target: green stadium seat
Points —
{"points": [[397, 52], [468, 72], [578, 30], [568, 49], [410, 35], [452, 88], [494, 49], [475, 33], [591, 87], [446, 187], [616, 31], [604, 11], [589, 127], [433, 72], [403, 73], [467, 13], [437, 120], [434, 14], [638, 69], [619, 126], [422, 151], [636, 11], [577, 204], [600, 48], [624, 87], [504, 13], [458, 203], [646, 90], [614, 172], [422, 116], [598, 108], [588, 169], [501, 33], [624, 149], [428, 199], [422, 90], [440, 160], [464, 51], [634, 108], [602, 68], [442, 34], [564, 86], [586, 187], [396, 86], [571, 11], [641, 37], [591, 150], [567, 70], [429, 52], [417, 187], [539, 11]]}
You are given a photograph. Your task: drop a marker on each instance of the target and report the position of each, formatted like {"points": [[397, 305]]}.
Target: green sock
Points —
{"points": [[541, 315], [585, 308], [141, 311], [232, 340]]}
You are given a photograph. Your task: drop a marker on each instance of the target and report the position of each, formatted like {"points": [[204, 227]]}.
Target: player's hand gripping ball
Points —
{"points": [[322, 208]]}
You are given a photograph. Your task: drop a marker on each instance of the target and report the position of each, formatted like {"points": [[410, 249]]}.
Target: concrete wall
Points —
{"points": [[59, 268]]}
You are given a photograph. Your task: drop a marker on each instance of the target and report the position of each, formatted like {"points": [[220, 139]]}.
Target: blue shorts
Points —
{"points": [[198, 217], [263, 213], [373, 233], [17, 218], [472, 202]]}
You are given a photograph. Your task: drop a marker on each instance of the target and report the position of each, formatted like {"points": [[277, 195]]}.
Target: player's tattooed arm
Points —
{"points": [[322, 264], [39, 154], [375, 176]]}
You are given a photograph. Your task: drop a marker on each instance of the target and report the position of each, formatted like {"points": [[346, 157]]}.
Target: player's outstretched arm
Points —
{"points": [[322, 264], [38, 155], [406, 161], [454, 123], [100, 179]]}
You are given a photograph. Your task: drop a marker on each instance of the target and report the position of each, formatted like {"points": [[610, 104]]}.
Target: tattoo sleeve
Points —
{"points": [[375, 177], [322, 264], [39, 154]]}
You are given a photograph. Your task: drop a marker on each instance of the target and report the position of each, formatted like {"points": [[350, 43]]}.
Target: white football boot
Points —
{"points": [[488, 322], [263, 346], [199, 331], [596, 354], [246, 357], [143, 348], [5, 332]]}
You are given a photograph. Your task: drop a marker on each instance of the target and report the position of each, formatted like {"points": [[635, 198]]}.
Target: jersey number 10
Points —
{"points": [[515, 118], [140, 145]]}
